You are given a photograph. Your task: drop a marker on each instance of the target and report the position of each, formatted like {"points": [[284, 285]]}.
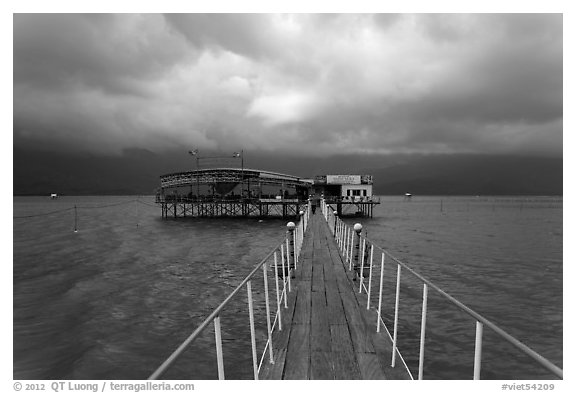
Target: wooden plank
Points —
{"points": [[306, 268], [303, 304], [334, 304], [329, 271], [318, 277], [345, 365], [321, 365], [319, 244], [320, 330], [319, 308], [298, 355], [340, 339], [276, 370], [280, 338], [320, 337], [370, 367], [361, 338], [351, 307]]}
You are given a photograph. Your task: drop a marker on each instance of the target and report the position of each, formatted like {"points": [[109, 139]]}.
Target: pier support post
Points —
{"points": [[358, 231]]}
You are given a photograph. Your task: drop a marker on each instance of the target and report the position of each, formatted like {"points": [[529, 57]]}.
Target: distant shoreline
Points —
{"points": [[381, 195]]}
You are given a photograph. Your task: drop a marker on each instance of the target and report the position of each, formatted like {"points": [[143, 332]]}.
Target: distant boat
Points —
{"points": [[53, 196], [408, 195]]}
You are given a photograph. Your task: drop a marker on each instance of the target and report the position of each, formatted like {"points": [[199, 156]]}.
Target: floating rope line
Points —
{"points": [[81, 207], [44, 214], [110, 205]]}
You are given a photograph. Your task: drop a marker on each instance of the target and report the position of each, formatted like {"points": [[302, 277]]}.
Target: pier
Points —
{"points": [[322, 287], [328, 333], [232, 192], [242, 192]]}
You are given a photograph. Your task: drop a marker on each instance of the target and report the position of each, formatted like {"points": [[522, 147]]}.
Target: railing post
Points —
{"points": [[370, 276], [278, 312], [300, 237], [284, 276], [394, 340], [363, 242], [290, 251], [478, 350], [423, 331], [350, 248], [345, 242], [269, 325], [335, 215], [219, 355], [380, 293], [341, 236], [357, 230], [252, 329]]}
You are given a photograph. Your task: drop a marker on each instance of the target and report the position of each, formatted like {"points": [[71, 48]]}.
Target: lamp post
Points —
{"points": [[194, 153], [241, 155]]}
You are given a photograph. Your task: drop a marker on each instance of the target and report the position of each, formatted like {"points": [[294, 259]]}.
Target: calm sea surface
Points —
{"points": [[114, 299]]}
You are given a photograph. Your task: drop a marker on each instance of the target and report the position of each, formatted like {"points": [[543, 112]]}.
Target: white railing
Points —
{"points": [[283, 261], [353, 247]]}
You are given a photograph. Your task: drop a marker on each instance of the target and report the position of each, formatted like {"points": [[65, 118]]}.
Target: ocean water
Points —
{"points": [[115, 298], [501, 256]]}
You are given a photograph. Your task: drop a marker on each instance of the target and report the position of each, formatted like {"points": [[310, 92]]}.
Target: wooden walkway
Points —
{"points": [[327, 333]]}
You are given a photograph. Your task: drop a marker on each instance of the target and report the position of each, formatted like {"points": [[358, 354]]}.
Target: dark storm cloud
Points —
{"points": [[100, 51], [246, 35], [315, 83]]}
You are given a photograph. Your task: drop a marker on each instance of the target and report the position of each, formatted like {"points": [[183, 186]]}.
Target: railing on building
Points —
{"points": [[283, 258], [352, 199], [353, 246], [175, 198]]}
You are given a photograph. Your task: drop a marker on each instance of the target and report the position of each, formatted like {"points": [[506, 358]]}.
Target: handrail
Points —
{"points": [[293, 241], [210, 318], [501, 332], [345, 235]]}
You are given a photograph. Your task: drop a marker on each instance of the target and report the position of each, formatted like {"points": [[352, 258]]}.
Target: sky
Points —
{"points": [[312, 85]]}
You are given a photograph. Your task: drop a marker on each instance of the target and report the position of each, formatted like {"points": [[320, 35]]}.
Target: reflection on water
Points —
{"points": [[114, 299]]}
